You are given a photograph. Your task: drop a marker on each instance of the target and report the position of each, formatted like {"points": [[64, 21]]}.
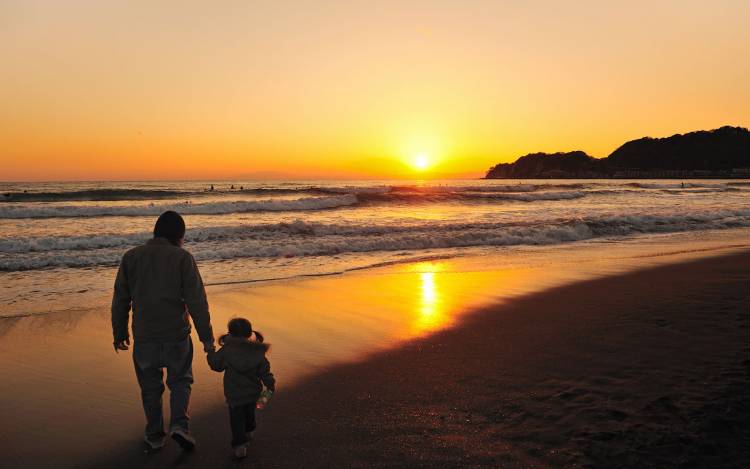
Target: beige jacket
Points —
{"points": [[162, 285]]}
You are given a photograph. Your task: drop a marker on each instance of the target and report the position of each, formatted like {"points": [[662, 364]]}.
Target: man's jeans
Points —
{"points": [[150, 359]]}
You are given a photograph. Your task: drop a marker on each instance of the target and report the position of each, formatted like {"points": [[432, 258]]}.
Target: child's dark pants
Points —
{"points": [[242, 421]]}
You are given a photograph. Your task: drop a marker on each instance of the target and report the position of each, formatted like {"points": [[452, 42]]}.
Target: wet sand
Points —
{"points": [[649, 368], [347, 345]]}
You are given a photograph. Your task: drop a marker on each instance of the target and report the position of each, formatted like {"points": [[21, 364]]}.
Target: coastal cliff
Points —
{"points": [[719, 153]]}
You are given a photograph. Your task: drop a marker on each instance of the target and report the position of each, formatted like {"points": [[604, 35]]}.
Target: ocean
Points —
{"points": [[60, 243]]}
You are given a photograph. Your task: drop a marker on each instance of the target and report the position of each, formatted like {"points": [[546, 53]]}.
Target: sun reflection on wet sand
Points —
{"points": [[430, 314], [429, 295]]}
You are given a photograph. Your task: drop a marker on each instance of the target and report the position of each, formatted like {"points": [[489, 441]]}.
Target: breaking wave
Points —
{"points": [[93, 195], [310, 198], [13, 211], [115, 194], [185, 208], [301, 238], [676, 185]]}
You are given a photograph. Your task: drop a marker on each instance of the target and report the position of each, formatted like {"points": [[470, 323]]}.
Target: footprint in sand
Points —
{"points": [[570, 394], [662, 322], [661, 405], [618, 415]]}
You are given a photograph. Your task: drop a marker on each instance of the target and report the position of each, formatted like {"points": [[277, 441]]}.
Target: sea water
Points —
{"points": [[60, 243]]}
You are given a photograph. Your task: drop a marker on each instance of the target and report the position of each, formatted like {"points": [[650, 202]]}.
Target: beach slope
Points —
{"points": [[650, 368]]}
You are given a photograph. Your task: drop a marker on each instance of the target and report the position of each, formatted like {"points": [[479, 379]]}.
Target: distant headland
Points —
{"points": [[718, 153]]}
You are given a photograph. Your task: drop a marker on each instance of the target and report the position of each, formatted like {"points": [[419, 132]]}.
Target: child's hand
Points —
{"points": [[121, 345], [209, 347], [265, 396]]}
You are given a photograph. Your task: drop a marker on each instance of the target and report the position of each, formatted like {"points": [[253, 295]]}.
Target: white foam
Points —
{"points": [[208, 208], [356, 189], [676, 185], [533, 196], [300, 238]]}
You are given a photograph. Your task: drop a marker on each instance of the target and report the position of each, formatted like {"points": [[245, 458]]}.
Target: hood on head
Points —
{"points": [[242, 354], [229, 340]]}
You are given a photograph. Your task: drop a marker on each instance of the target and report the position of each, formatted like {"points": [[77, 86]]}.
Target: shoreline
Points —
{"points": [[713, 242], [660, 378]]}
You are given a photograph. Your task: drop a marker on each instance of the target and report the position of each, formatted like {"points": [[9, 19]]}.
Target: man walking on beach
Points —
{"points": [[161, 283]]}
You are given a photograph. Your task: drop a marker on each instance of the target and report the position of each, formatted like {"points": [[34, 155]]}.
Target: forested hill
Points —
{"points": [[723, 152]]}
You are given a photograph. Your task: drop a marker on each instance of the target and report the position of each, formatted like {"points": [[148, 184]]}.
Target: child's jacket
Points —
{"points": [[245, 367]]}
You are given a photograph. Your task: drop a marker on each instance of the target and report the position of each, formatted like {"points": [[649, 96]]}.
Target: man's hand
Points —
{"points": [[121, 345], [209, 346]]}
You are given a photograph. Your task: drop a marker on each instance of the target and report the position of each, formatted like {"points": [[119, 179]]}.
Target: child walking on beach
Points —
{"points": [[246, 369]]}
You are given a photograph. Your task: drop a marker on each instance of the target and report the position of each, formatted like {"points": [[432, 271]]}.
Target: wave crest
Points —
{"points": [[208, 208], [300, 238]]}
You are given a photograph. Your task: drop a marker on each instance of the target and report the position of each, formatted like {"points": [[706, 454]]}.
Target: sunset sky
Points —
{"points": [[310, 89]]}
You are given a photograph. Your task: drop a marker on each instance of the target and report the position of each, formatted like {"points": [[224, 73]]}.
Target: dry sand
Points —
{"points": [[645, 369]]}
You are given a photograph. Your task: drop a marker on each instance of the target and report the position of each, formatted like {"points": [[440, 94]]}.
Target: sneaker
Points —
{"points": [[183, 438], [156, 442], [240, 451]]}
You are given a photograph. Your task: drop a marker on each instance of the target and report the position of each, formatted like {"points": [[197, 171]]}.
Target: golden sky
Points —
{"points": [[310, 89]]}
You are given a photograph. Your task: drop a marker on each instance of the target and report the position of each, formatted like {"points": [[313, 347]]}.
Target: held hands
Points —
{"points": [[121, 345]]}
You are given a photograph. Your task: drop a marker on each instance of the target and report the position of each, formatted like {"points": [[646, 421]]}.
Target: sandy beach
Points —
{"points": [[644, 368]]}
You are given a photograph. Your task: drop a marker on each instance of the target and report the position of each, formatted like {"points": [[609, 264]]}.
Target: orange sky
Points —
{"points": [[193, 89]]}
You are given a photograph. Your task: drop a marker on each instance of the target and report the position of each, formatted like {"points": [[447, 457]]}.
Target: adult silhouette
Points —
{"points": [[160, 282]]}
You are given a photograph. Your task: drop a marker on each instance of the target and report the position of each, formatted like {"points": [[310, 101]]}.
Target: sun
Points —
{"points": [[421, 161]]}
